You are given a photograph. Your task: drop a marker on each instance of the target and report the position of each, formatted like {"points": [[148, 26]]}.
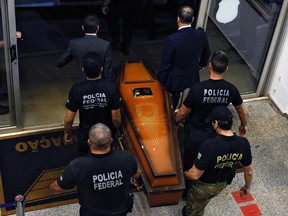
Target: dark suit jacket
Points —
{"points": [[184, 52], [80, 46]]}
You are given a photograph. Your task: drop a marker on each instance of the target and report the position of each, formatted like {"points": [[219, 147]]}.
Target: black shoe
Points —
{"points": [[3, 97], [4, 110], [184, 211]]}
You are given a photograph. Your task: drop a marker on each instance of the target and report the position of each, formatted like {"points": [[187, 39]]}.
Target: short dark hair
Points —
{"points": [[185, 14], [219, 61], [92, 64], [90, 23], [225, 125]]}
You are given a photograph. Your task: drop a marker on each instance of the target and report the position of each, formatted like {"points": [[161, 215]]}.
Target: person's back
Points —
{"points": [[206, 95], [225, 152], [185, 51], [104, 181], [203, 97], [95, 99], [90, 42], [214, 167], [80, 46], [102, 176], [189, 46]]}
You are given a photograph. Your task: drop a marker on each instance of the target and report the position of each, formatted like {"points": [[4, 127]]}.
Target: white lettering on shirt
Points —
{"points": [[215, 96], [107, 180], [91, 101]]}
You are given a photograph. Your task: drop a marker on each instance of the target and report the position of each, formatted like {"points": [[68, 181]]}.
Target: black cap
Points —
{"points": [[220, 113]]}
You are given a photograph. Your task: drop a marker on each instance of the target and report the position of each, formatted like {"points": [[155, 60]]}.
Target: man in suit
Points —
{"points": [[90, 42], [185, 51]]}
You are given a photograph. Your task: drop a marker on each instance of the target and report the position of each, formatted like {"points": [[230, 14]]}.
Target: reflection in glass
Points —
{"points": [[251, 29], [4, 104]]}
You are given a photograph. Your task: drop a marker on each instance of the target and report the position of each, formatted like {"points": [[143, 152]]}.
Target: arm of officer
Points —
{"points": [[248, 177], [68, 122], [182, 113], [55, 188], [242, 113], [116, 118], [194, 173], [137, 174]]}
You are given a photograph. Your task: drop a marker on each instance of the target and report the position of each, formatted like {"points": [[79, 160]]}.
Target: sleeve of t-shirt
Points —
{"points": [[247, 156], [237, 101], [67, 180], [202, 160], [116, 99], [190, 97], [132, 163], [71, 103]]}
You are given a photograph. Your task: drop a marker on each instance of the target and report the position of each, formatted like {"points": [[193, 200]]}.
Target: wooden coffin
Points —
{"points": [[149, 132]]}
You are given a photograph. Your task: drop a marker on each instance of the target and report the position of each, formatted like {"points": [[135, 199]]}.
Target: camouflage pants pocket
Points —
{"points": [[199, 196]]}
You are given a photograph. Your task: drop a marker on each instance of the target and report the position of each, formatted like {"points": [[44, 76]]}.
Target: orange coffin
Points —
{"points": [[149, 132]]}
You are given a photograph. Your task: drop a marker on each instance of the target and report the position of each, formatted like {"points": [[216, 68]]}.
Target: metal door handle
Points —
{"points": [[13, 53]]}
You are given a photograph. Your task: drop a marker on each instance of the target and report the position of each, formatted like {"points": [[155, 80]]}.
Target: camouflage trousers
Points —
{"points": [[199, 196]]}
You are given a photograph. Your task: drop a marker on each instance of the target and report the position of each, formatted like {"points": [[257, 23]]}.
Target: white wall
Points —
{"points": [[278, 91]]}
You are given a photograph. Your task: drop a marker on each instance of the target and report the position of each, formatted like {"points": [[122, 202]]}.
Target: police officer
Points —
{"points": [[201, 100], [98, 101], [102, 176], [213, 168]]}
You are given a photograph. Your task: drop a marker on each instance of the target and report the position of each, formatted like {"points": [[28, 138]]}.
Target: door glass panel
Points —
{"points": [[4, 102], [243, 29]]}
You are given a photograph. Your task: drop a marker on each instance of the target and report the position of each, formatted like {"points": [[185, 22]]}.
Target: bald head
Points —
{"points": [[100, 136]]}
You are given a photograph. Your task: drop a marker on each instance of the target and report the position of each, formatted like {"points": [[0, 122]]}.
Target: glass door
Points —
{"points": [[243, 29], [9, 82]]}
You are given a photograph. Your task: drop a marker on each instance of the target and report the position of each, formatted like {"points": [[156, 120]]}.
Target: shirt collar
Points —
{"points": [[185, 26], [93, 34]]}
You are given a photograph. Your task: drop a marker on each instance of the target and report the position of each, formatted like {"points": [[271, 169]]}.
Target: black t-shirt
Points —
{"points": [[102, 181], [203, 97], [94, 99], [218, 155]]}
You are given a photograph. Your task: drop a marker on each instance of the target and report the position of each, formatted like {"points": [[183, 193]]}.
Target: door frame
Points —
{"points": [[271, 58], [12, 69]]}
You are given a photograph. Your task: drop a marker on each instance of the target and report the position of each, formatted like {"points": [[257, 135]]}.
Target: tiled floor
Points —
{"points": [[268, 136]]}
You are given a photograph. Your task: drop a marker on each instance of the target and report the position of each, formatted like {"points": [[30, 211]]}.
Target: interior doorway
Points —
{"points": [[9, 82], [243, 29]]}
